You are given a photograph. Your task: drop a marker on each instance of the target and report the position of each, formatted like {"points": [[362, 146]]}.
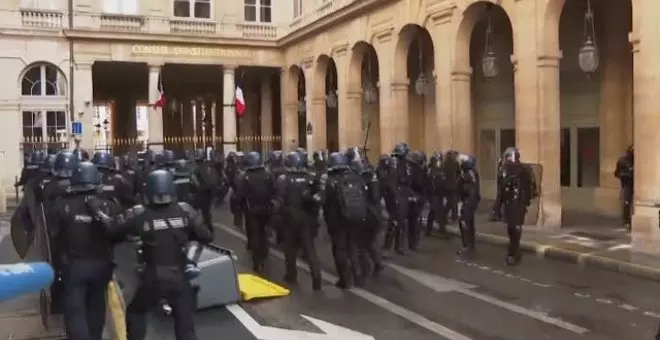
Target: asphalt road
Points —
{"points": [[432, 295]]}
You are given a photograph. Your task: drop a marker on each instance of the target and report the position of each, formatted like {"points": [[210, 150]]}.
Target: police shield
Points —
{"points": [[42, 243], [22, 230]]}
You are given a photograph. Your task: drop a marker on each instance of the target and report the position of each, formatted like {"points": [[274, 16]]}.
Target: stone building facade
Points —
{"points": [[473, 75]]}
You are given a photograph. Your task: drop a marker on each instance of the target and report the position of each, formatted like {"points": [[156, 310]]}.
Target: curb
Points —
{"points": [[583, 260]]}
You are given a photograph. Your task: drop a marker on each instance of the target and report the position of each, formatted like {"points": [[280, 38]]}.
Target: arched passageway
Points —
{"points": [[483, 63], [596, 99], [331, 106], [297, 76], [415, 49], [363, 72]]}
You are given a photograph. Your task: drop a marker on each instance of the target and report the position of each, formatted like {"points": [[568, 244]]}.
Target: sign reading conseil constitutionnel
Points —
{"points": [[168, 50]]}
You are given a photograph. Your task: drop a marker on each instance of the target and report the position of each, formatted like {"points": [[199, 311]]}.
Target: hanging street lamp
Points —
{"points": [[588, 56], [489, 60]]}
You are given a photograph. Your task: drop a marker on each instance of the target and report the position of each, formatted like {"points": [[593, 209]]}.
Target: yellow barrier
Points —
{"points": [[116, 307]]}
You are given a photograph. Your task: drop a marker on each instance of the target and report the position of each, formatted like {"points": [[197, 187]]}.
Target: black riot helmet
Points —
{"points": [[28, 157], [467, 162], [104, 160], [252, 161], [384, 160], [275, 158], [417, 157], [181, 168], [166, 158], [80, 154], [302, 152], [337, 161], [292, 161], [160, 187], [400, 150], [199, 155], [435, 161], [318, 156], [353, 154], [85, 178], [48, 165], [65, 163], [38, 157], [231, 159], [511, 155]]}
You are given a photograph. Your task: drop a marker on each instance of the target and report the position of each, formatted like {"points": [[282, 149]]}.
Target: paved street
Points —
{"points": [[432, 295]]}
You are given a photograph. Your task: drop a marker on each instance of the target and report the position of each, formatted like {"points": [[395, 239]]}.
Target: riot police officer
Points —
{"points": [[30, 170], [254, 193], [496, 213], [276, 168], [184, 186], [417, 196], [319, 163], [518, 189], [114, 185], [297, 195], [165, 227], [207, 181], [86, 254], [469, 194], [452, 172], [436, 195], [345, 211], [165, 160], [369, 254], [398, 192], [625, 172]]}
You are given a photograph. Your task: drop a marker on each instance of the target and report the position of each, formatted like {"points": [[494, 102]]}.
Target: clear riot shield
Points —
{"points": [[42, 244]]}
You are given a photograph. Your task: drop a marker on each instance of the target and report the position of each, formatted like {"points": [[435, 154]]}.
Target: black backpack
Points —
{"points": [[208, 177], [258, 188], [351, 194]]}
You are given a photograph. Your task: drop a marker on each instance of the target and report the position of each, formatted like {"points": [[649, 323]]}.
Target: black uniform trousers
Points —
{"points": [[298, 234], [85, 284], [170, 284], [255, 224], [345, 236]]}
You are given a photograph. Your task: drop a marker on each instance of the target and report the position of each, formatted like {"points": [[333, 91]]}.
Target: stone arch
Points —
{"points": [[320, 71], [471, 16], [58, 86], [360, 50], [551, 17], [295, 75], [406, 37]]}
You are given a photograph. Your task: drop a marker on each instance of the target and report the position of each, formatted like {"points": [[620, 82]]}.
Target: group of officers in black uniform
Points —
{"points": [[163, 201]]}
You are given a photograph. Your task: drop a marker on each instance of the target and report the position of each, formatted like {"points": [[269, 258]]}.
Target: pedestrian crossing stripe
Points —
{"points": [[254, 287]]}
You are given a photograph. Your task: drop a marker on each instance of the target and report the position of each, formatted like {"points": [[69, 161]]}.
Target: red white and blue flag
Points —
{"points": [[239, 102]]}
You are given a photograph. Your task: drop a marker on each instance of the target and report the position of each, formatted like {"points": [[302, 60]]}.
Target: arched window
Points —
{"points": [[43, 80]]}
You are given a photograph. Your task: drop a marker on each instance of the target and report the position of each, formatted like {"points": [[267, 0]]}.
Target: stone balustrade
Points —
{"points": [[39, 18], [106, 22]]}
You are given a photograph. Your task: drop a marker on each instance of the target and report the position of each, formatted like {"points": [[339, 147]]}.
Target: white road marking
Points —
{"points": [[411, 316], [619, 247], [502, 273], [460, 287]]}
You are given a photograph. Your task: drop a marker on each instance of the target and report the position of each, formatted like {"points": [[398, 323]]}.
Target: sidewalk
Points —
{"points": [[590, 241]]}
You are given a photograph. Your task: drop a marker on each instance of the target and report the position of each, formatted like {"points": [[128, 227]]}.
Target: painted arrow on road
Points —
{"points": [[441, 284], [330, 331]]}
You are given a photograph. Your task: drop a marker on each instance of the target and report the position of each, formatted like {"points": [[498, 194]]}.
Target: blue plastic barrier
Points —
{"points": [[24, 278]]}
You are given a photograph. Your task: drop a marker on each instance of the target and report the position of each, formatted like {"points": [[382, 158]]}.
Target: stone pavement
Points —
{"points": [[586, 240]]}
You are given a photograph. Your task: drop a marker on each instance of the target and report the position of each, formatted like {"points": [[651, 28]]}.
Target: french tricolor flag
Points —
{"points": [[239, 102]]}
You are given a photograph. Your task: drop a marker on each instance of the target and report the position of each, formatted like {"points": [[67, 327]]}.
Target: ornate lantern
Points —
{"points": [[302, 105], [369, 91], [331, 97], [421, 83], [489, 60], [588, 56]]}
